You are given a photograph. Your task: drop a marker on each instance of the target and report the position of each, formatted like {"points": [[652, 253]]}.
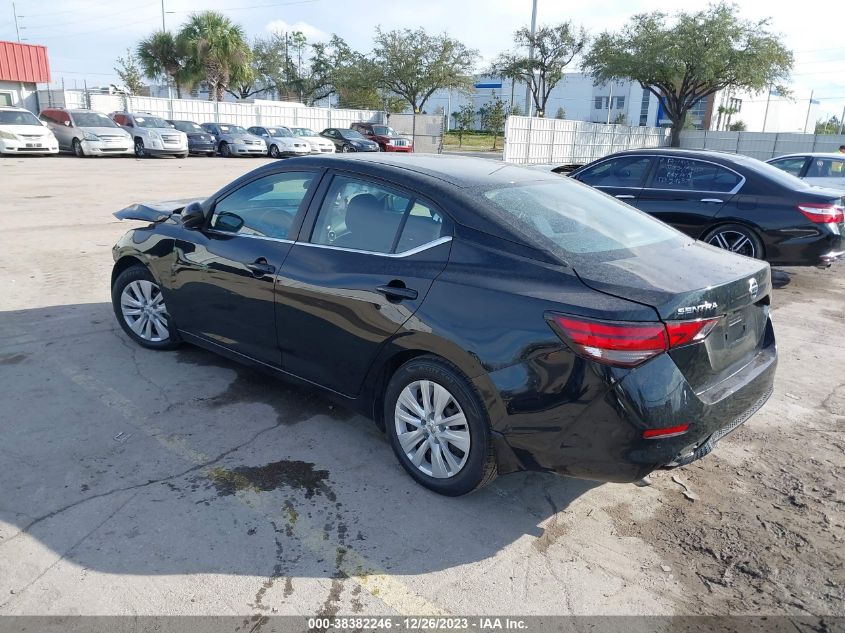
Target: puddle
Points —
{"points": [[291, 474]]}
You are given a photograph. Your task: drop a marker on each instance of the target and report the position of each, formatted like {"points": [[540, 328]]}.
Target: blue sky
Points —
{"points": [[85, 37]]}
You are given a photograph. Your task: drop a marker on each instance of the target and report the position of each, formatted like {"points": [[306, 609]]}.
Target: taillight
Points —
{"points": [[822, 213], [628, 343], [667, 431]]}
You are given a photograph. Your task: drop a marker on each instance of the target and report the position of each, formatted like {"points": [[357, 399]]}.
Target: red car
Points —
{"points": [[386, 137]]}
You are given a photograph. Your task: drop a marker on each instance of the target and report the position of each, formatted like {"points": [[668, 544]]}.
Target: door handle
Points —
{"points": [[261, 267], [625, 196], [394, 292], [713, 200]]}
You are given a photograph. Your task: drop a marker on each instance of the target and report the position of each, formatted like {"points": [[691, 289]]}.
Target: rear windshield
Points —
{"points": [[571, 218]]}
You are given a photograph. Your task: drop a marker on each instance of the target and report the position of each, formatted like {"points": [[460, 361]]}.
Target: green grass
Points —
{"points": [[472, 142]]}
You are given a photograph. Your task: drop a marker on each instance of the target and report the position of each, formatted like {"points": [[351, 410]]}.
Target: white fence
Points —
{"points": [[762, 145], [245, 114], [564, 142]]}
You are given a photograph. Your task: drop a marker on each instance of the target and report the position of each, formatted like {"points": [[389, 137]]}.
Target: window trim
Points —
{"points": [[607, 159], [732, 192], [298, 218], [306, 232]]}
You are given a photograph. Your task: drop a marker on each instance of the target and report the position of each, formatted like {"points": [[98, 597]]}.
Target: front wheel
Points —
{"points": [[438, 427], [347, 148], [139, 307], [737, 239], [274, 151], [77, 148], [225, 152], [140, 152]]}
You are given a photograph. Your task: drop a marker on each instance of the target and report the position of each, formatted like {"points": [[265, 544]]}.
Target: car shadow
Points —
{"points": [[131, 461]]}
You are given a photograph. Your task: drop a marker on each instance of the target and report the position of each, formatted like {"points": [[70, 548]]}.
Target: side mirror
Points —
{"points": [[67, 124], [44, 123], [229, 222], [193, 216]]}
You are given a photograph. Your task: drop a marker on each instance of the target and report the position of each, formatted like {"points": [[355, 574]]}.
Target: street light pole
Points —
{"points": [[17, 29], [531, 59], [163, 27]]}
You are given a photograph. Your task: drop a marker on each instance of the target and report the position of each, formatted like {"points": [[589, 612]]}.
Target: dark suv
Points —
{"points": [[387, 138]]}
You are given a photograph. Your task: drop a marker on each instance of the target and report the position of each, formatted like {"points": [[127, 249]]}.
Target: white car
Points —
{"points": [[319, 145], [280, 141], [152, 135], [22, 133], [815, 168]]}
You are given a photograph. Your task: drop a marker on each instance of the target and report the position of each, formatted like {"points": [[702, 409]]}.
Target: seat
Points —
{"points": [[369, 227]]}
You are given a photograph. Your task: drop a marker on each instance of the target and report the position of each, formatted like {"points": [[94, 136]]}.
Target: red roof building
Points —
{"points": [[22, 66]]}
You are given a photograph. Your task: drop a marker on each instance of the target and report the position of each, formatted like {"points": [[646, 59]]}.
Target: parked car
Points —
{"points": [[727, 200], [152, 135], [199, 141], [22, 133], [87, 132], [281, 141], [386, 137], [319, 145], [822, 170], [349, 140], [489, 318], [233, 140]]}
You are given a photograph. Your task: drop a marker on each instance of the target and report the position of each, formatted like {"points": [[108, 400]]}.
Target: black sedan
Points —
{"points": [[734, 202], [199, 141], [489, 318], [349, 140]]}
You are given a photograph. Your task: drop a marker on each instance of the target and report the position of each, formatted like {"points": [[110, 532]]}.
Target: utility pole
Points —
{"points": [[163, 27], [531, 59], [609, 102], [840, 121], [766, 113], [17, 29], [809, 107]]}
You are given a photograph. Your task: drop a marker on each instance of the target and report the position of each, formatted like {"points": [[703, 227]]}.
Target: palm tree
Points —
{"points": [[159, 55], [216, 46]]}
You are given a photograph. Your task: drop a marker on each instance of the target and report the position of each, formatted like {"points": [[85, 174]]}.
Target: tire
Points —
{"points": [[347, 148], [140, 151], [152, 327], [737, 239], [381, 148], [77, 148], [471, 461], [224, 150], [274, 152]]}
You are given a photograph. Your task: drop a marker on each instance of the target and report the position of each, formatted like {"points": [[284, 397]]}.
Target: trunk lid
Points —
{"points": [[695, 281]]}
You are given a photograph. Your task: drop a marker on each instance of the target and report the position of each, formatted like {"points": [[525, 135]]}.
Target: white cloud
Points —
{"points": [[311, 33]]}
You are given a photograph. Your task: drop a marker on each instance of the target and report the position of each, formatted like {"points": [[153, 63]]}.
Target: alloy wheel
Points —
{"points": [[432, 429], [734, 241], [142, 306], [274, 151], [139, 148], [346, 148]]}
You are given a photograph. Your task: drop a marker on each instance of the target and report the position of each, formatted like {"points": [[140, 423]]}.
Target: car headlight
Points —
{"points": [[88, 136], [155, 136], [389, 141], [8, 136]]}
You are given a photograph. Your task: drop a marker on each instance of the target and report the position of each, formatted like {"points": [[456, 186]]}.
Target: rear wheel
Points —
{"points": [[438, 427], [737, 239], [139, 307], [77, 148]]}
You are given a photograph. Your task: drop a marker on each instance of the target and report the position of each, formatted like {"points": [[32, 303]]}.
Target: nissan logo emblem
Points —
{"points": [[752, 288]]}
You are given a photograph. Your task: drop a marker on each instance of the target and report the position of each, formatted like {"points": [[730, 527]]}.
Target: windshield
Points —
{"points": [[188, 126], [384, 130], [303, 131], [278, 131], [151, 121], [350, 134], [14, 117], [232, 129], [91, 119], [575, 218]]}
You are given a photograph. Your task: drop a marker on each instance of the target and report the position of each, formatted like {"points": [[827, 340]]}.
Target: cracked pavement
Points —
{"points": [[141, 482]]}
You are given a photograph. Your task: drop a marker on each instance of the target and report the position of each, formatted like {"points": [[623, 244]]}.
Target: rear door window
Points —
{"points": [[626, 171], [826, 168], [683, 174]]}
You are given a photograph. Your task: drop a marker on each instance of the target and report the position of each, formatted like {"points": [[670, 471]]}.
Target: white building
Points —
{"points": [[766, 112]]}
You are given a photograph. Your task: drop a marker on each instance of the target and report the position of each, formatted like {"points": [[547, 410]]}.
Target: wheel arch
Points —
{"points": [[124, 263]]}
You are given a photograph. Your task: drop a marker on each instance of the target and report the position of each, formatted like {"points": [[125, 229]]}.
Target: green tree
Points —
{"points": [[831, 126], [413, 64], [130, 73], [515, 110], [691, 58], [620, 119], [555, 47], [484, 117], [738, 126], [161, 56], [496, 118], [560, 114], [216, 47], [464, 118]]}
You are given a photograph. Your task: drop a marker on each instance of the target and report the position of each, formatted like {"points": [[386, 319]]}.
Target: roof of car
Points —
{"points": [[460, 171], [838, 155]]}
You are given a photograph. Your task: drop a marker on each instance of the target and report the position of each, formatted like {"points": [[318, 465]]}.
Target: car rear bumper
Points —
{"points": [[590, 426], [828, 258], [819, 245]]}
